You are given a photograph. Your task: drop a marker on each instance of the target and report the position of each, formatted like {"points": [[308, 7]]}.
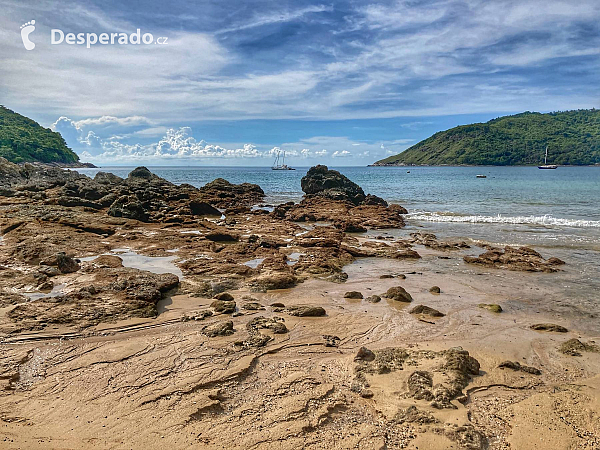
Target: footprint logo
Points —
{"points": [[26, 30]]}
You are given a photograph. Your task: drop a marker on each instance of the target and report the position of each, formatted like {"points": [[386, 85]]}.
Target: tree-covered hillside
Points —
{"points": [[22, 139], [572, 137]]}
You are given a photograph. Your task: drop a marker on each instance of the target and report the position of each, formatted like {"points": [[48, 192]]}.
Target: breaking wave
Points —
{"points": [[546, 220]]}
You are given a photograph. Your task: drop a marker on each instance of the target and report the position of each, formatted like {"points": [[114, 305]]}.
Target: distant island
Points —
{"points": [[573, 138], [24, 140]]}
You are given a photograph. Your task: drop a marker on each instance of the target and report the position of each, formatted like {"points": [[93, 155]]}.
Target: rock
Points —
{"points": [[367, 393], [427, 311], [353, 295], [331, 184], [111, 261], [46, 286], [64, 263], [511, 258], [222, 194], [277, 305], [435, 290], [420, 385], [386, 276], [128, 207], [549, 327], [219, 329], [253, 306], [225, 296], [220, 236], [490, 307], [107, 178], [398, 293], [305, 311], [519, 368], [430, 240], [575, 347], [364, 354], [49, 271], [373, 299], [140, 172], [273, 281], [225, 307], [331, 341], [198, 208], [414, 415], [274, 324]]}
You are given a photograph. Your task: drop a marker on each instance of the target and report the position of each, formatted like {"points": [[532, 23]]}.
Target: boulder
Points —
{"points": [[331, 184], [490, 307], [223, 306], [353, 295], [435, 290], [517, 367], [427, 311], [219, 329], [373, 299], [398, 293], [225, 296]]}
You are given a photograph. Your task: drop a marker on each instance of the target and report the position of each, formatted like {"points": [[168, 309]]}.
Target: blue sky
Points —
{"points": [[341, 83]]}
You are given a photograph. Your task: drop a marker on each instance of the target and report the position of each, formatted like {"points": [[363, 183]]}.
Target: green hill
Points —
{"points": [[24, 140], [572, 137]]}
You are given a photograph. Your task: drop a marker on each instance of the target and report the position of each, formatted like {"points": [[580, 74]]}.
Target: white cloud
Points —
{"points": [[341, 154]]}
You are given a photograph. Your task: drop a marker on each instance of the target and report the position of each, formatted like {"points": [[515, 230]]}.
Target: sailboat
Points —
{"points": [[546, 165], [283, 165]]}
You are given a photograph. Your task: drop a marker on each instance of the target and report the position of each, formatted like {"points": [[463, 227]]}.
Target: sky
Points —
{"points": [[340, 83]]}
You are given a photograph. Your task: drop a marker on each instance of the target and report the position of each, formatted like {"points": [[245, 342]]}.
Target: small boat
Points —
{"points": [[546, 165], [283, 165], [481, 176]]}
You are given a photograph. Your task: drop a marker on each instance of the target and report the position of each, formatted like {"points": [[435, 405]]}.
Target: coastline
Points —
{"points": [[107, 364]]}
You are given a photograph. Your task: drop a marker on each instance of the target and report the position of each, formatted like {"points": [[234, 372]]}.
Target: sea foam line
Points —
{"points": [[526, 220]]}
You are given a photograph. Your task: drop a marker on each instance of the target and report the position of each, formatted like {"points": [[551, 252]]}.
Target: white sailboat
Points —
{"points": [[546, 165], [283, 165]]}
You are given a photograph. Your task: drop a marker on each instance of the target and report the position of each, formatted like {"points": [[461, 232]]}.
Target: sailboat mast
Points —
{"points": [[283, 162], [546, 157]]}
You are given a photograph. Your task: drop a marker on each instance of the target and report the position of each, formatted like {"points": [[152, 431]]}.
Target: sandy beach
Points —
{"points": [[284, 326]]}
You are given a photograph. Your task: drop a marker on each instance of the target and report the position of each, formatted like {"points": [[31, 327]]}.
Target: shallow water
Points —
{"points": [[154, 264]]}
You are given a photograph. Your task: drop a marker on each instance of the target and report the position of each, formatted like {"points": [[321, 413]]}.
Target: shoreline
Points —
{"points": [[184, 326]]}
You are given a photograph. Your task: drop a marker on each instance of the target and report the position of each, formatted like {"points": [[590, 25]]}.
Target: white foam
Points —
{"points": [[546, 220]]}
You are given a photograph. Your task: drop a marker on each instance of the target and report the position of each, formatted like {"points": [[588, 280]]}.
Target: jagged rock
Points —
{"points": [[353, 295], [427, 311], [107, 178], [373, 299], [414, 415], [253, 306], [198, 208], [219, 329], [64, 263], [331, 184], [222, 194], [420, 384], [273, 281], [511, 258], [225, 307], [225, 296], [140, 172], [399, 294], [274, 324], [490, 307], [128, 207], [305, 311], [549, 327], [519, 368]]}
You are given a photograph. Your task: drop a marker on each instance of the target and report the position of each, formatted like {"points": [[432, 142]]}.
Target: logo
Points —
{"points": [[26, 30]]}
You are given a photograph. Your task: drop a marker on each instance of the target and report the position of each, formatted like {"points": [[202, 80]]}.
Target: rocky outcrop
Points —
{"points": [[517, 367], [330, 184], [516, 258], [223, 194], [551, 327]]}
